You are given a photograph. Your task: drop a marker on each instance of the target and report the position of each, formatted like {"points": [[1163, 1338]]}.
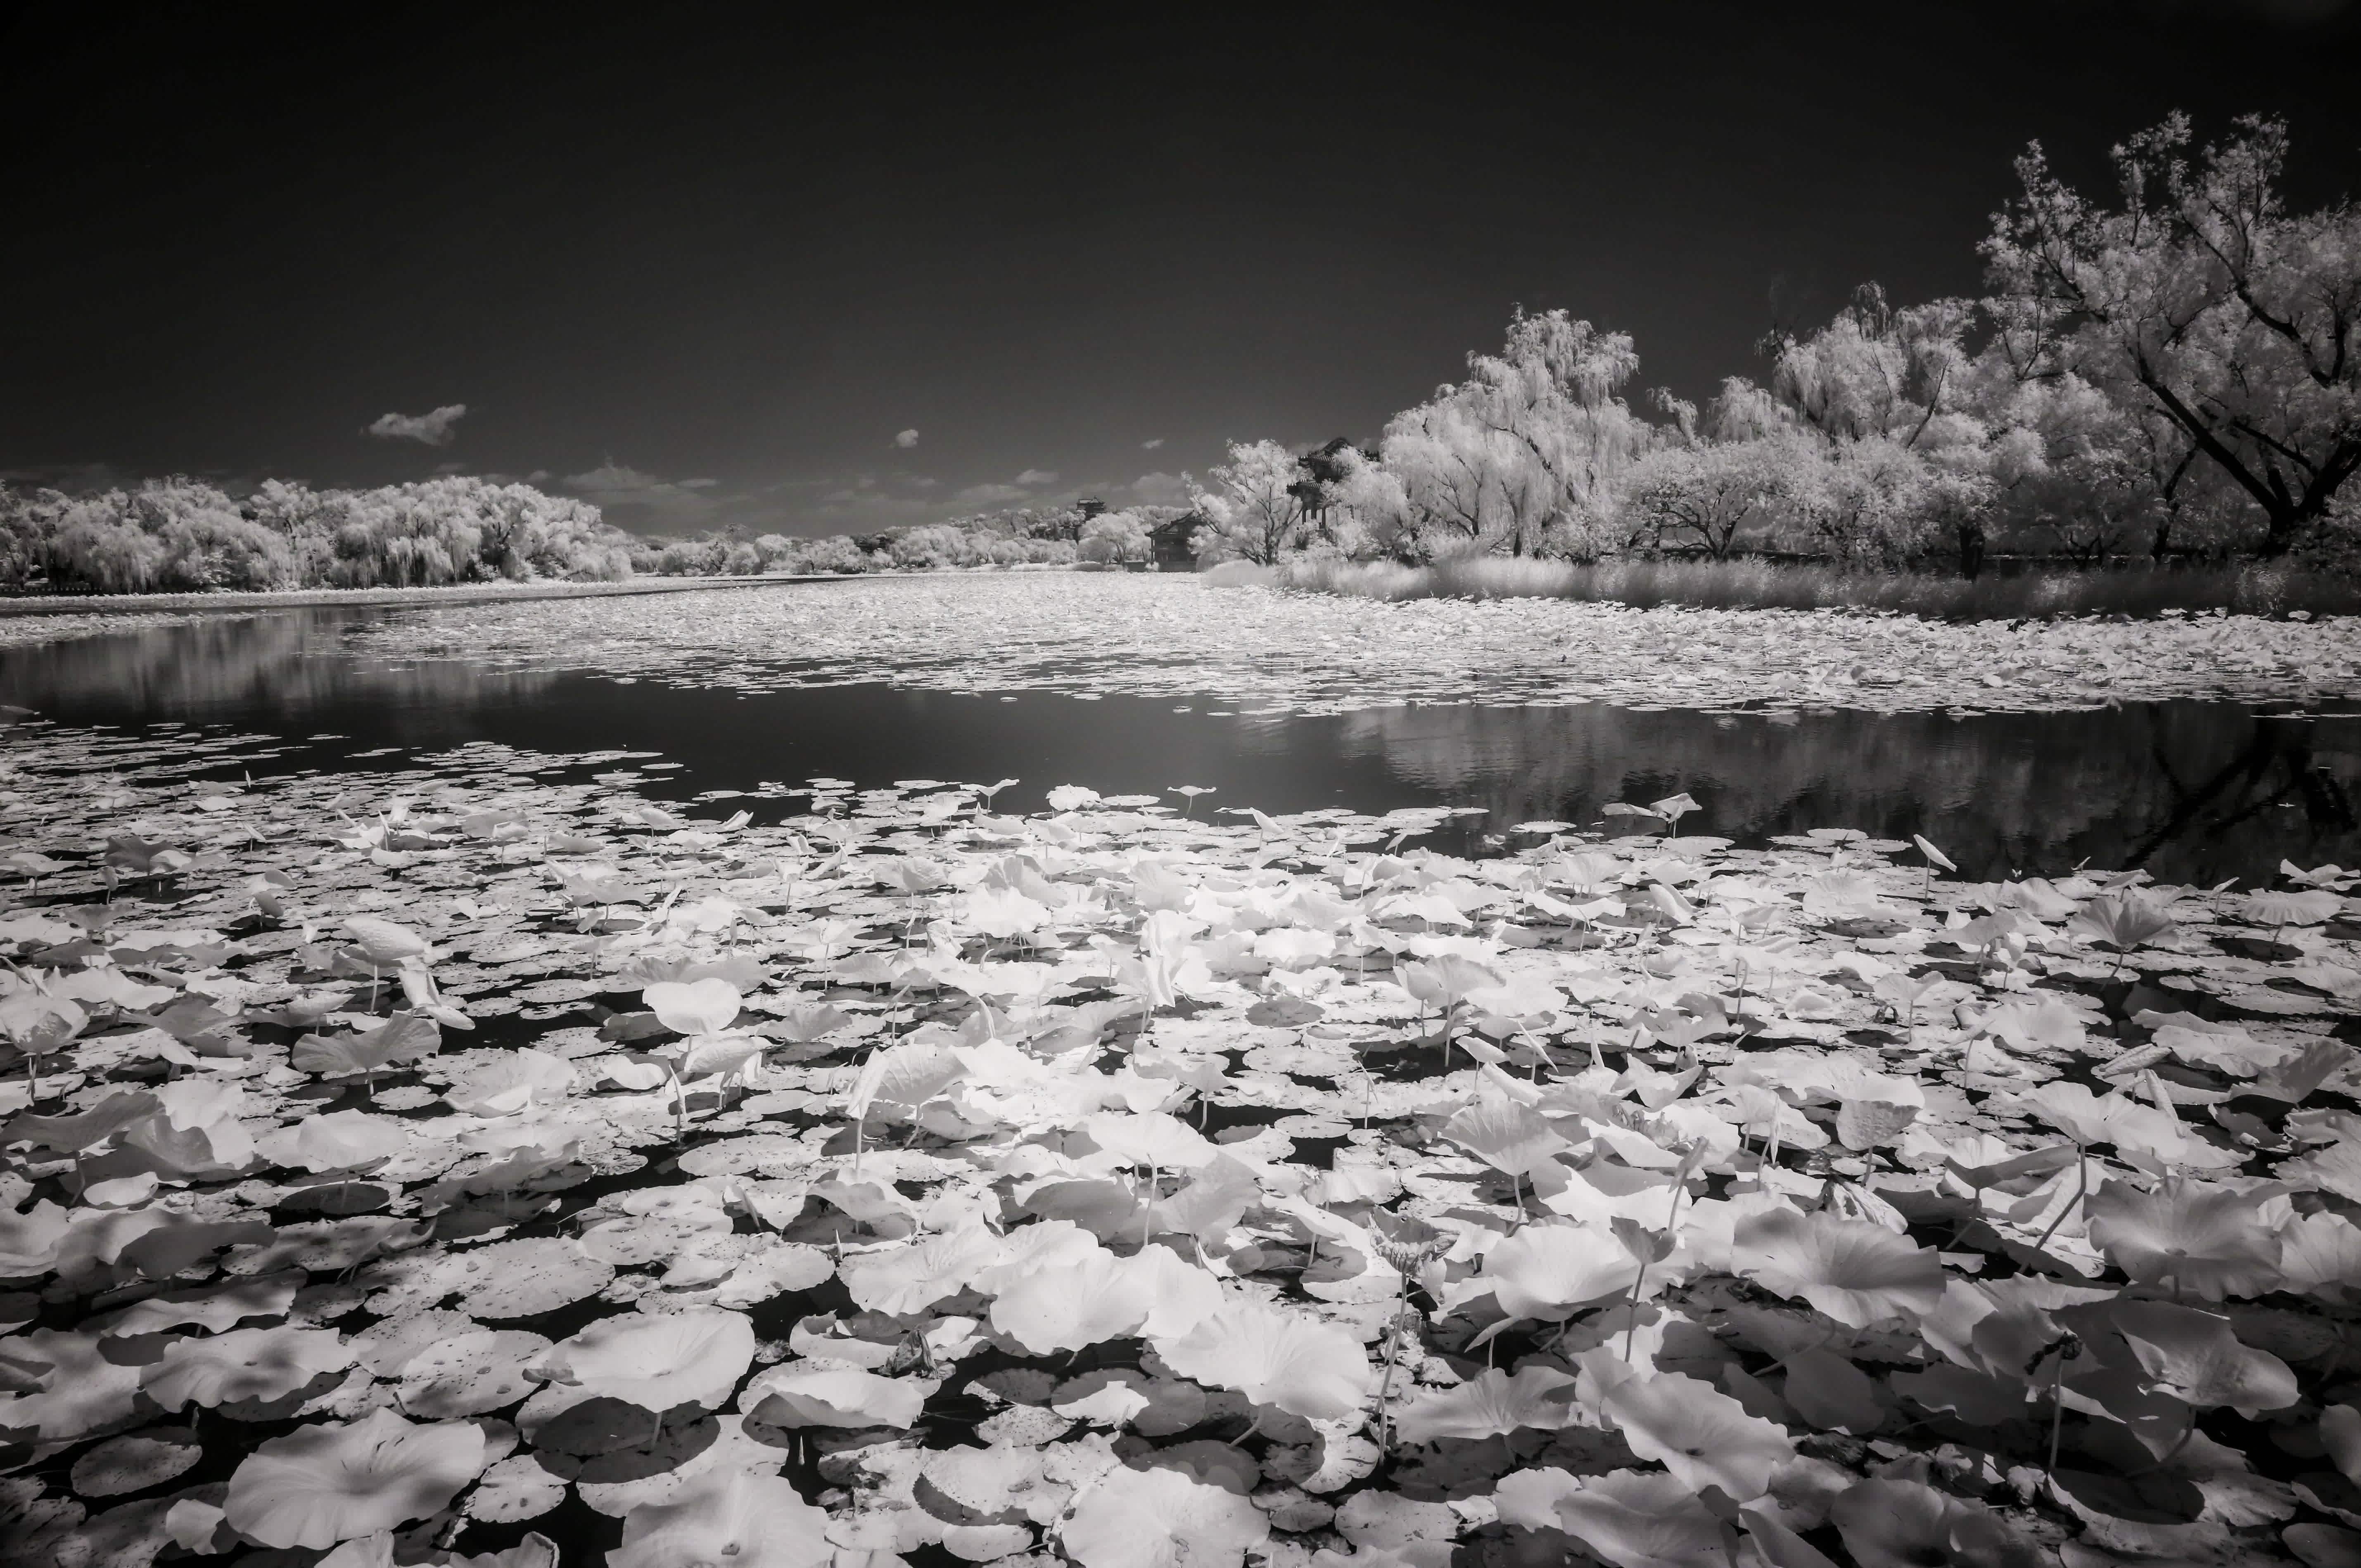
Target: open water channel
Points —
{"points": [[2194, 792]]}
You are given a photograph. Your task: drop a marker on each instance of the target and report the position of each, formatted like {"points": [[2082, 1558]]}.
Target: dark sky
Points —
{"points": [[705, 264]]}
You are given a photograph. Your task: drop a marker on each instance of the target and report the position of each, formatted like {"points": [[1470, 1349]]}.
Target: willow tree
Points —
{"points": [[1523, 456]]}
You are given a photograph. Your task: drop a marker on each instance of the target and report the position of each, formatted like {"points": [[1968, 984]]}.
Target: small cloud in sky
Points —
{"points": [[989, 495], [434, 429], [922, 481], [907, 438], [1038, 477], [537, 476], [648, 501], [1151, 445], [1161, 489]]}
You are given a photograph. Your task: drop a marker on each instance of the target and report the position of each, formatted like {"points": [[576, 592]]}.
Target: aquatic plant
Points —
{"points": [[791, 1197]]}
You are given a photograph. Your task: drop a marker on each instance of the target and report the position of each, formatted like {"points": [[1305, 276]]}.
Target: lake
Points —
{"points": [[2192, 790]]}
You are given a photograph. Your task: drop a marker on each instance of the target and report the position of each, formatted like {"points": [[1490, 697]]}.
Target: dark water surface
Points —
{"points": [[2194, 792]]}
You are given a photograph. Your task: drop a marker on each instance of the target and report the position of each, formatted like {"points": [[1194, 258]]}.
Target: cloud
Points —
{"points": [[989, 495], [1151, 445], [434, 429], [1160, 488], [907, 438], [645, 501], [1038, 477]]}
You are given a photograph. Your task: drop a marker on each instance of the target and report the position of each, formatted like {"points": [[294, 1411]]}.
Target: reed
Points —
{"points": [[2256, 589]]}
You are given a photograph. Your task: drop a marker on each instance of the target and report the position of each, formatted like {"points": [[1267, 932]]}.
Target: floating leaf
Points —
{"points": [[1161, 1519], [321, 1485]]}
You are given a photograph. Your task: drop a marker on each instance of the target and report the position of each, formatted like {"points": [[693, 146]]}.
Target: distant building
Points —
{"points": [[1169, 542]]}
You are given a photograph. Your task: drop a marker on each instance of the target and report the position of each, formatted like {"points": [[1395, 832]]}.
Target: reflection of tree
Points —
{"points": [[282, 665], [2193, 791]]}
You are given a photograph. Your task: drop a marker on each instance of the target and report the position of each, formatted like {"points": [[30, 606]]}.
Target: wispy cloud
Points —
{"points": [[907, 439], [1038, 477], [1151, 445], [435, 429], [990, 495], [645, 501]]}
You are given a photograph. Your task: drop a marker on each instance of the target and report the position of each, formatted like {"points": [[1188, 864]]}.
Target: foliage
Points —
{"points": [[1704, 1223], [179, 535], [2202, 300], [1755, 584], [2173, 378]]}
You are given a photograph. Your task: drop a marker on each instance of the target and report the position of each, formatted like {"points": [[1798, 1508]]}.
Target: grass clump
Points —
{"points": [[1755, 584]]}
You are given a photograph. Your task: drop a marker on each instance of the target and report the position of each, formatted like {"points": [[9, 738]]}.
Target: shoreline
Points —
{"points": [[315, 599]]}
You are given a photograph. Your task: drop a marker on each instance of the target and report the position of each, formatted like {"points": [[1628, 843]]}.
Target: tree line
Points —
{"points": [[182, 535], [2173, 372]]}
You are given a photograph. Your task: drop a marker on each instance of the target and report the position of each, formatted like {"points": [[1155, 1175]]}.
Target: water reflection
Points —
{"points": [[2193, 791], [240, 669]]}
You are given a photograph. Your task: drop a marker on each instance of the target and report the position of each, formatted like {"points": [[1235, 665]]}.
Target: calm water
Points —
{"points": [[2195, 791]]}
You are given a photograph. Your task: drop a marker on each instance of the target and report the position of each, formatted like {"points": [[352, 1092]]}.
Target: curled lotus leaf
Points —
{"points": [[728, 1516], [1161, 1519], [322, 1483], [1274, 1357], [692, 1357]]}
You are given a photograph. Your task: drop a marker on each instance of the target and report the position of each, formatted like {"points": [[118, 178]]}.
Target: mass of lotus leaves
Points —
{"points": [[1168, 635], [481, 1164]]}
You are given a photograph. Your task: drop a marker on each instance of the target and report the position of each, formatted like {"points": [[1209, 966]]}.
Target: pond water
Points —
{"points": [[914, 1125], [2193, 791]]}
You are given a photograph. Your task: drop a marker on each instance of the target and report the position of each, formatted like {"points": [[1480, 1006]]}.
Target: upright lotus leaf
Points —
{"points": [[385, 944], [1511, 1138], [915, 1278], [2195, 1357], [2279, 910], [29, 1239], [243, 1364], [79, 1391], [1639, 1519], [727, 1516], [1274, 1357], [1154, 1138], [1551, 1271], [1489, 1405], [1699, 1433], [341, 1140], [513, 1082], [323, 1484], [805, 1396], [1161, 1519], [1073, 1304], [2200, 1237], [1027, 1248], [690, 1357], [2123, 920], [697, 1007], [1856, 1272], [2321, 1255], [1528, 1499], [1902, 1524], [405, 1037], [1179, 1294], [535, 1551]]}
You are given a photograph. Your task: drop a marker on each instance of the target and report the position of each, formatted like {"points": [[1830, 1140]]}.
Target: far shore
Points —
{"points": [[303, 598]]}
